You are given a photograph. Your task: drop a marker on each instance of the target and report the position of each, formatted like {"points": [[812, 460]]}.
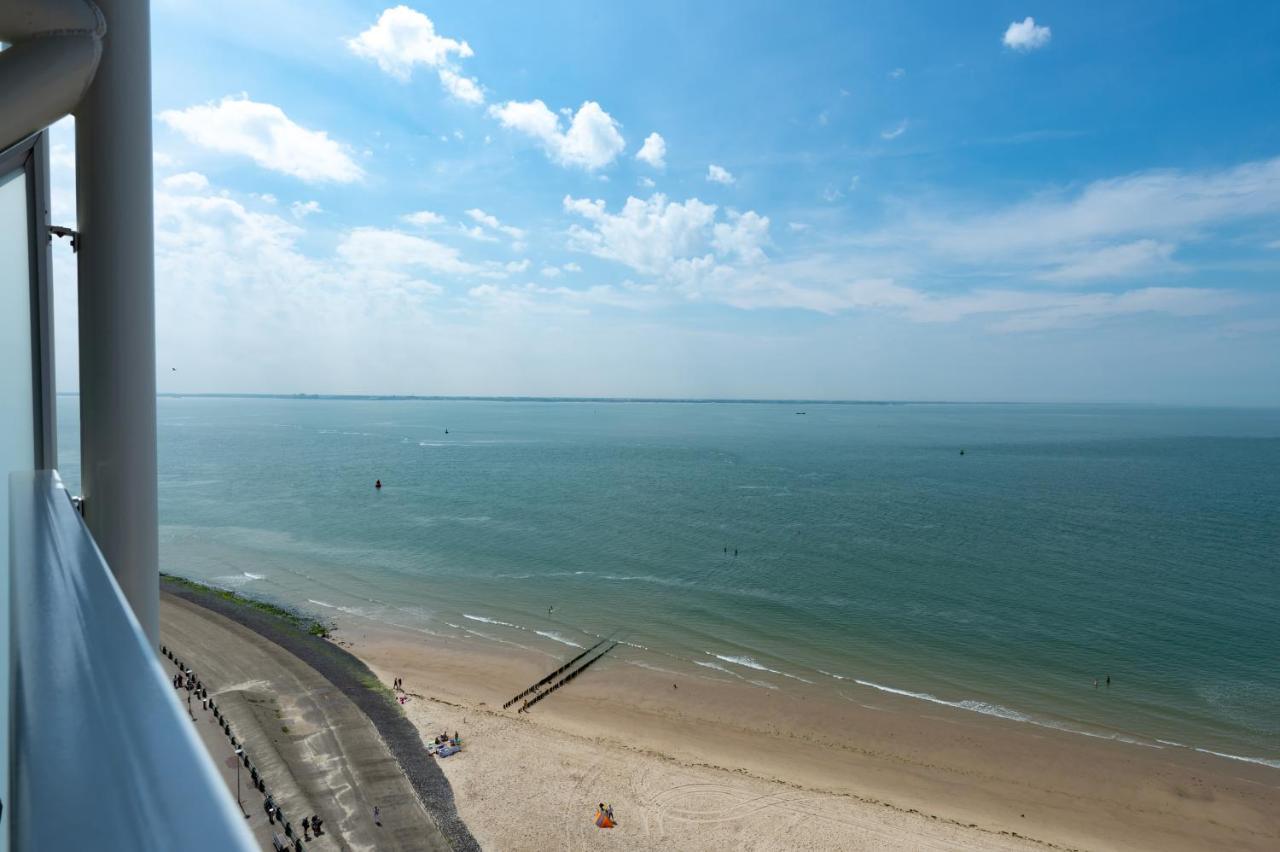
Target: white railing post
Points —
{"points": [[117, 308]]}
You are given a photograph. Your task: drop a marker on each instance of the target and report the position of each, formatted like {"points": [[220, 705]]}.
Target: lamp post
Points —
{"points": [[239, 751]]}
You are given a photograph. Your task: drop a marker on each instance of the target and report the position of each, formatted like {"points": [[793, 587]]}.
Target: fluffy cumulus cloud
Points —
{"points": [[1026, 35], [592, 140], [742, 237], [683, 248], [719, 174], [653, 151], [648, 236], [263, 133], [404, 38]]}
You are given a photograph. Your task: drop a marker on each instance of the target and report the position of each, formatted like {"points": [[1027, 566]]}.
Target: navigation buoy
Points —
{"points": [[377, 484]]}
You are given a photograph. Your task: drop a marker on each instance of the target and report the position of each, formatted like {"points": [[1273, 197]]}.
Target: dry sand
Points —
{"points": [[718, 765]]}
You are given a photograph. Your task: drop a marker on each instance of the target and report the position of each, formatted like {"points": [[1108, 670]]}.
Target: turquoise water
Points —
{"points": [[1067, 543]]}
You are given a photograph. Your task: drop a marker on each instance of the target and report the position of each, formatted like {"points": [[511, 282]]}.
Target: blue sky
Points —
{"points": [[845, 200]]}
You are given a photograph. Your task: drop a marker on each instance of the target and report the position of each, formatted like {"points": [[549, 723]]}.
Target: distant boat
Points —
{"points": [[802, 412]]}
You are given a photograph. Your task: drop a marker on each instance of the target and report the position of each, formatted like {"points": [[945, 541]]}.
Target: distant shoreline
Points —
{"points": [[659, 400]]}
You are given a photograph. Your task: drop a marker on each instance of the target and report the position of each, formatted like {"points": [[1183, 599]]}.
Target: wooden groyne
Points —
{"points": [[534, 687], [565, 680]]}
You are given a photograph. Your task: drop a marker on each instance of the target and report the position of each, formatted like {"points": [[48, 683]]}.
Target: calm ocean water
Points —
{"points": [[1066, 543]]}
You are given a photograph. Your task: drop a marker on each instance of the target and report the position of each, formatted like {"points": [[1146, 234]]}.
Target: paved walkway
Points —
{"points": [[316, 750]]}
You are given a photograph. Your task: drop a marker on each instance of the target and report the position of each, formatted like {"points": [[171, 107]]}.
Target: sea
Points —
{"points": [[997, 559]]}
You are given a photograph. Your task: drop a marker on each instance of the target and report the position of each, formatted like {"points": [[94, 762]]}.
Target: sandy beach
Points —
{"points": [[695, 763]]}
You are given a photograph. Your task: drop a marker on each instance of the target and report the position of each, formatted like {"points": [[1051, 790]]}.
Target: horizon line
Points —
{"points": [[371, 397]]}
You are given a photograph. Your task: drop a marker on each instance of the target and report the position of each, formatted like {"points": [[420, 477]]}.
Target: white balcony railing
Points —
{"points": [[103, 756]]}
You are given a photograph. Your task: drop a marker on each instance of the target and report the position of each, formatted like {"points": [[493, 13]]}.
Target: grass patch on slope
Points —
{"points": [[302, 621]]}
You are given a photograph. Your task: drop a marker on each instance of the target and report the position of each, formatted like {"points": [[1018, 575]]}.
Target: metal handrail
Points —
{"points": [[102, 755]]}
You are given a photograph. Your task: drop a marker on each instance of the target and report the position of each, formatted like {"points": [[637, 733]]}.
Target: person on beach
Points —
{"points": [[377, 815], [1095, 683], [1108, 681]]}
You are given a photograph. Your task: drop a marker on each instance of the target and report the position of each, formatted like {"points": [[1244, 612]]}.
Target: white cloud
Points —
{"points": [[403, 38], [303, 209], [186, 182], [831, 193], [797, 227], [653, 151], [227, 274], [649, 236], [266, 135], [897, 73], [895, 131], [743, 236], [423, 218], [591, 141], [719, 174], [492, 222], [1026, 35], [1124, 260], [465, 89], [477, 233], [828, 285], [382, 248], [551, 271], [1166, 206], [646, 182], [571, 267], [678, 242]]}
